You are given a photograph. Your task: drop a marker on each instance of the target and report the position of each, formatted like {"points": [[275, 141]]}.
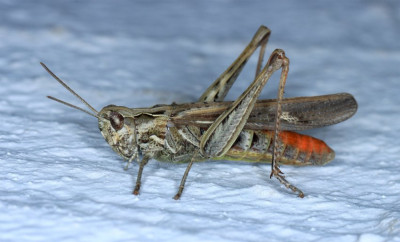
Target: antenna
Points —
{"points": [[94, 114]]}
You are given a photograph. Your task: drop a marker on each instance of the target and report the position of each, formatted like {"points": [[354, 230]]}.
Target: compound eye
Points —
{"points": [[117, 120]]}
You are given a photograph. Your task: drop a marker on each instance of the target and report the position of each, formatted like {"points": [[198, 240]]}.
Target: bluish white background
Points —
{"points": [[59, 180]]}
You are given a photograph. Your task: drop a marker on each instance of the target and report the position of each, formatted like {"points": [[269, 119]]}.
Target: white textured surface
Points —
{"points": [[60, 181]]}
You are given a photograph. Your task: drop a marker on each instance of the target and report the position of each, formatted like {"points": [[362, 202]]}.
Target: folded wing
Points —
{"points": [[299, 113]]}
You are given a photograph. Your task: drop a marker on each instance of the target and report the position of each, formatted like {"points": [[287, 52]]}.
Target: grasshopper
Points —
{"points": [[246, 129]]}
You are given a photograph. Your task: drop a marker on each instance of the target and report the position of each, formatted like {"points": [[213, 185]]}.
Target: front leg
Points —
{"points": [[155, 144], [144, 161]]}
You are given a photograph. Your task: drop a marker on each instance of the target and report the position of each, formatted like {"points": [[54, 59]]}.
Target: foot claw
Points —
{"points": [[136, 191], [279, 175], [276, 172]]}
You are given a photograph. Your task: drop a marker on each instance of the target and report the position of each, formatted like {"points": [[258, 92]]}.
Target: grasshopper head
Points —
{"points": [[119, 130]]}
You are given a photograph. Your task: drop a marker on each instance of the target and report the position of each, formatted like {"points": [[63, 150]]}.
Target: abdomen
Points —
{"points": [[298, 149]]}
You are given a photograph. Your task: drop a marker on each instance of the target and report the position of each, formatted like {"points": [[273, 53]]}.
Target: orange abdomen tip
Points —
{"points": [[302, 149]]}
